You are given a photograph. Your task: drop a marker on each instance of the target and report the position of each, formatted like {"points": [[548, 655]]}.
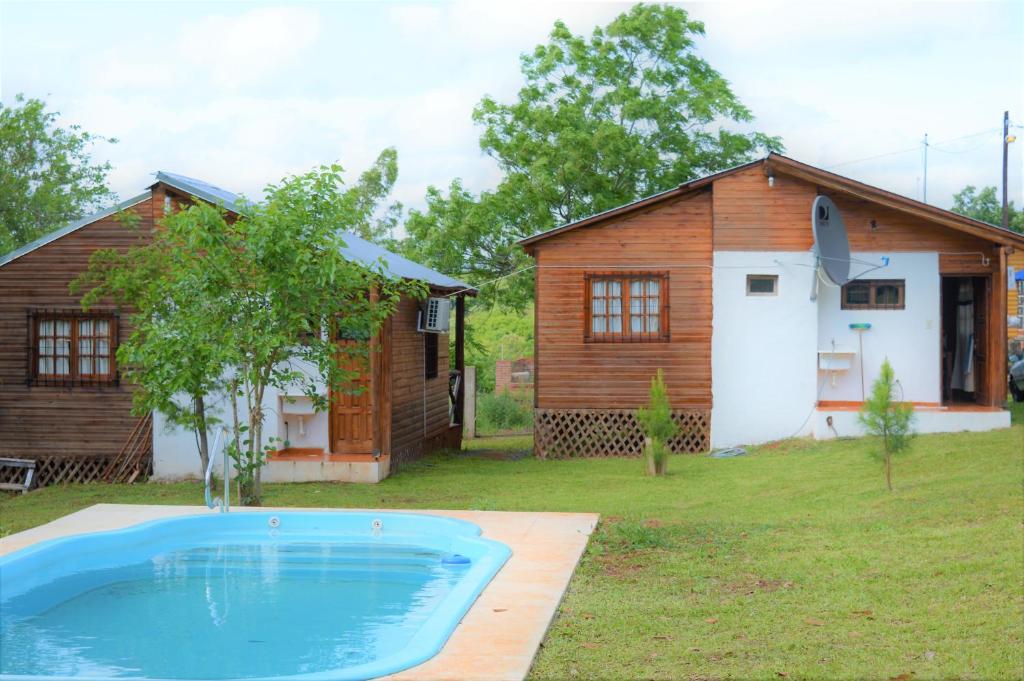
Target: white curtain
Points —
{"points": [[963, 362]]}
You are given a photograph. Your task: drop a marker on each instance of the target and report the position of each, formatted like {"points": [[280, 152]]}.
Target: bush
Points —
{"points": [[658, 426], [506, 411]]}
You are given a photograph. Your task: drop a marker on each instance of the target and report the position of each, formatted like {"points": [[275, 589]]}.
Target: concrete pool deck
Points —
{"points": [[499, 636]]}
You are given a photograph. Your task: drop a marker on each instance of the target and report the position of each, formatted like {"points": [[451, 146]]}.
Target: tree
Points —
{"points": [[172, 298], [884, 417], [658, 426], [262, 298], [600, 122], [363, 199], [984, 205], [47, 176]]}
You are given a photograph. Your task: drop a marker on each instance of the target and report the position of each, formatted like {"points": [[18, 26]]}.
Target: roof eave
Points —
{"points": [[72, 228], [685, 189], [897, 202]]}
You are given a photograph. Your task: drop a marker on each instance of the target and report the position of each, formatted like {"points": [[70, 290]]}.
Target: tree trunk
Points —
{"points": [[199, 407], [888, 463]]}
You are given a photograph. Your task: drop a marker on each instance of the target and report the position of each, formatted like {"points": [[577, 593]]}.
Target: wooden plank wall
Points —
{"points": [[56, 421], [415, 430], [572, 374], [750, 216]]}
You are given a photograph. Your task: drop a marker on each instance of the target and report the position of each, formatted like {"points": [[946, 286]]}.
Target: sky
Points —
{"points": [[241, 94]]}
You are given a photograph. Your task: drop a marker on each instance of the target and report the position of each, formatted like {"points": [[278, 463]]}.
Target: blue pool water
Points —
{"points": [[242, 596]]}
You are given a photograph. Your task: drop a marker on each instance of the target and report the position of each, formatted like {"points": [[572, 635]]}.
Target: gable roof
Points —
{"points": [[72, 227], [200, 189], [682, 190], [356, 248], [823, 178]]}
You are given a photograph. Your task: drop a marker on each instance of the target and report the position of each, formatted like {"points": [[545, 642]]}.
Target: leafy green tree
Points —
{"points": [[47, 176], [172, 297], [494, 333], [658, 426], [262, 298], [985, 205], [372, 220], [884, 417], [601, 121]]}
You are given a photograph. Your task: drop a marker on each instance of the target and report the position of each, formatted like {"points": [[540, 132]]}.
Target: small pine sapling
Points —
{"points": [[885, 417], [658, 426]]}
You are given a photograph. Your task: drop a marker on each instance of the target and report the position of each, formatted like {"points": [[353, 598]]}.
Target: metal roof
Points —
{"points": [[68, 229], [356, 248], [203, 190], [368, 253]]}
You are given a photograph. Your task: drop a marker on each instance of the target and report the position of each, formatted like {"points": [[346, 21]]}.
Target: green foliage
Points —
{"points": [[601, 121], [658, 426], [47, 175], [884, 417], [503, 412], [987, 206], [496, 333], [363, 199], [236, 306]]}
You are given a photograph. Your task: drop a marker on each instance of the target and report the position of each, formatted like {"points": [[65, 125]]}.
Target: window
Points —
{"points": [[430, 355], [762, 284], [1020, 298], [69, 348], [878, 294], [625, 308]]}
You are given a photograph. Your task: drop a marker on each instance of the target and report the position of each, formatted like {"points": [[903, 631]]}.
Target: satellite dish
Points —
{"points": [[830, 240]]}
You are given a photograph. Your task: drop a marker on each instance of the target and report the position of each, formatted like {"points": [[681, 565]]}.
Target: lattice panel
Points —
{"points": [[54, 470], [563, 433]]}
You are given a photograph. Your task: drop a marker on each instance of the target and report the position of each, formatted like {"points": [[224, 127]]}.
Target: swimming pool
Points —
{"points": [[282, 595]]}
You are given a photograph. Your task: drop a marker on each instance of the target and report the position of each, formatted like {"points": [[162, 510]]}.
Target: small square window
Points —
{"points": [[762, 284]]}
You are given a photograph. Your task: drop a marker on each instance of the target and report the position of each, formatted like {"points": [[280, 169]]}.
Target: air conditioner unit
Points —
{"points": [[433, 317]]}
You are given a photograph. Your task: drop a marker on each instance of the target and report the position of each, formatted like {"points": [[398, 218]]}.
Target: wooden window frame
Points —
{"points": [[774, 278], [873, 286], [662, 335], [430, 360], [74, 377]]}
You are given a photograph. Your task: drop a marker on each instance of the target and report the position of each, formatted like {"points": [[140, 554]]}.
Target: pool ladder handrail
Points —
{"points": [[221, 448]]}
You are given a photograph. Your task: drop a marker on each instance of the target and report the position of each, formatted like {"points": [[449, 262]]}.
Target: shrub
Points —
{"points": [[505, 411], [884, 417], [656, 421]]}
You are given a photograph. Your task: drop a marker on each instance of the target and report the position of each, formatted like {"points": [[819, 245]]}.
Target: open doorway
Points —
{"points": [[965, 339]]}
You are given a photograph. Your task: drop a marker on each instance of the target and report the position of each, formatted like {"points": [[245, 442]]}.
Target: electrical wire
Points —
{"points": [[931, 145]]}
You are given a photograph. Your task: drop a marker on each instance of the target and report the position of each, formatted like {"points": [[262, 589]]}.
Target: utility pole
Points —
{"points": [[925, 194], [1006, 146]]}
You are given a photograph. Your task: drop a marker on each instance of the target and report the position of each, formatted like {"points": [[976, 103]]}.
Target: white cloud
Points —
{"points": [[251, 46]]}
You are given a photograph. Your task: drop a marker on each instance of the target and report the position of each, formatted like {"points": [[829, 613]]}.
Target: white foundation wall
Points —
{"points": [[910, 338], [763, 348], [927, 420], [176, 456]]}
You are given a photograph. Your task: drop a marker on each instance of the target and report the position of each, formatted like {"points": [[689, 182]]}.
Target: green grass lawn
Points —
{"points": [[793, 562]]}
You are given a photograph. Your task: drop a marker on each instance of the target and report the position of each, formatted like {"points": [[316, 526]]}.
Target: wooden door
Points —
{"points": [[352, 414]]}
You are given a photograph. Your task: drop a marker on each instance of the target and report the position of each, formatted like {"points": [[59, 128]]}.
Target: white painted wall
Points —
{"points": [[763, 349], [910, 338], [176, 456]]}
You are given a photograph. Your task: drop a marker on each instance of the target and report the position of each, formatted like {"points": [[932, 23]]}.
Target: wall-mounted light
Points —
{"points": [[771, 181], [874, 225]]}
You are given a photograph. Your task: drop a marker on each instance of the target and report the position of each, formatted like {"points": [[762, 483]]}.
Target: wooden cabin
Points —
{"points": [[64, 404], [717, 283]]}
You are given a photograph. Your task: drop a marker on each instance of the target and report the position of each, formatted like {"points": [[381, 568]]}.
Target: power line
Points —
{"points": [[931, 145]]}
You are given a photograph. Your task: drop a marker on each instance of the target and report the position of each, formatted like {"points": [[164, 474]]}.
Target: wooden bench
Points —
{"points": [[28, 465]]}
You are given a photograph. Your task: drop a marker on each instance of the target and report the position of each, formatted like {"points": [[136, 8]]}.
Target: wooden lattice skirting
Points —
{"points": [[562, 433], [133, 462]]}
